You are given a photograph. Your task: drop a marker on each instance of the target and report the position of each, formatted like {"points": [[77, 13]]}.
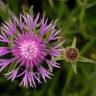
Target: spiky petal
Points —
{"points": [[29, 49]]}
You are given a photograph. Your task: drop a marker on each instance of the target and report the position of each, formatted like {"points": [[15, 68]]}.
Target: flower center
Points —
{"points": [[29, 49]]}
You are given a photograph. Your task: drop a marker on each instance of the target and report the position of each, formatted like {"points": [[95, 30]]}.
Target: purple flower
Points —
{"points": [[29, 42]]}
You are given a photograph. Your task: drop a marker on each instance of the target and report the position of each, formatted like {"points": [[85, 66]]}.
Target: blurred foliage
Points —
{"points": [[76, 18]]}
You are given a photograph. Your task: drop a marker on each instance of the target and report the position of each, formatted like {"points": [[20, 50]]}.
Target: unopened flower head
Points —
{"points": [[28, 43], [71, 54]]}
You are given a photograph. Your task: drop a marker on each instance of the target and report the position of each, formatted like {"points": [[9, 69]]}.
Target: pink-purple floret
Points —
{"points": [[28, 49]]}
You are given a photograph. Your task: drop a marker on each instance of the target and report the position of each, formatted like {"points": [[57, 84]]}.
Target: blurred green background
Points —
{"points": [[75, 18]]}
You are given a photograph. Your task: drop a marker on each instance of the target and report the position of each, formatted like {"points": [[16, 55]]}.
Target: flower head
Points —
{"points": [[71, 54], [29, 44]]}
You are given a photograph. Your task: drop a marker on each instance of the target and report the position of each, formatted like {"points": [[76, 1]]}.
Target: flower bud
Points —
{"points": [[71, 54]]}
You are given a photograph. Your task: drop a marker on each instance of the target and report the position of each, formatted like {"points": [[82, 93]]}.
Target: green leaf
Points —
{"points": [[74, 43], [83, 59], [74, 67], [51, 3], [61, 57], [31, 10]]}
